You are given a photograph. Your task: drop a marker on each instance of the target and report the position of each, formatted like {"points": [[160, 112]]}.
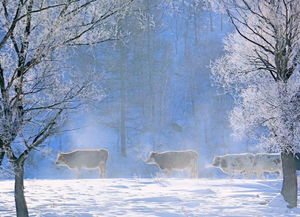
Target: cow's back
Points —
{"points": [[267, 162], [86, 158], [239, 162], [176, 159]]}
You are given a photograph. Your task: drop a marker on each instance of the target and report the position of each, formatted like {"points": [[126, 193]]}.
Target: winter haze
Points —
{"points": [[149, 108], [162, 77]]}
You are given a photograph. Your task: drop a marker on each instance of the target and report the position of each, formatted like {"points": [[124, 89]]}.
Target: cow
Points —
{"points": [[266, 162], [232, 164], [87, 159], [175, 160]]}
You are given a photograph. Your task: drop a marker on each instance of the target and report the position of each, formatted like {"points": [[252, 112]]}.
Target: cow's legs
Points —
{"points": [[193, 173], [102, 171], [167, 172], [260, 174], [78, 173], [248, 174], [231, 174], [194, 170]]}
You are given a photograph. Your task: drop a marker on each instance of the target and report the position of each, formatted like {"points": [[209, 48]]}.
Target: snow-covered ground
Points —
{"points": [[148, 197]]}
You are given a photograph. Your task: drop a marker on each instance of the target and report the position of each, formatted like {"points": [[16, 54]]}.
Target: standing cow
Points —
{"points": [[266, 162], [87, 159], [175, 160], [235, 163]]}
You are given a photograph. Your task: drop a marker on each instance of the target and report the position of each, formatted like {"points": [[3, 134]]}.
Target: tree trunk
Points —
{"points": [[289, 184], [2, 153], [20, 202], [123, 115], [123, 132]]}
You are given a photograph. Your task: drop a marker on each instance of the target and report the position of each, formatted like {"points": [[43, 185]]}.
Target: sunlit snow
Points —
{"points": [[148, 197]]}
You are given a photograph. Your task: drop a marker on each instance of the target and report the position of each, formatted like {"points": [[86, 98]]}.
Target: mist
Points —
{"points": [[158, 95], [149, 108]]}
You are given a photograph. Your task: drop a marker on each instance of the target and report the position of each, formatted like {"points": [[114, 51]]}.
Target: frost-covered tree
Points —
{"points": [[38, 85], [261, 69]]}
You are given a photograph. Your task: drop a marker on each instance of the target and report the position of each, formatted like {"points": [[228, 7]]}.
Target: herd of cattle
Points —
{"points": [[231, 164]]}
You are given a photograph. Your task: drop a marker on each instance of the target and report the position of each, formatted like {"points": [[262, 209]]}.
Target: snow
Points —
{"points": [[278, 202], [148, 197]]}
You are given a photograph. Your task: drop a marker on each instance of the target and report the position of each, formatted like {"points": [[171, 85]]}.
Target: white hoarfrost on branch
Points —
{"points": [[38, 83], [261, 70]]}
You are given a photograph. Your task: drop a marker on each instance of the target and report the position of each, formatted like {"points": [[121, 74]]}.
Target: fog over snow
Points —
{"points": [[189, 112], [153, 91]]}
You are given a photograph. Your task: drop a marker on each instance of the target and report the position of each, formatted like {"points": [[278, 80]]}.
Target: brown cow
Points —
{"points": [[175, 160], [87, 159]]}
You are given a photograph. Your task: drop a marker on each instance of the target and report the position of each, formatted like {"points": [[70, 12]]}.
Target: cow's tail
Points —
{"points": [[106, 157], [195, 166], [103, 164]]}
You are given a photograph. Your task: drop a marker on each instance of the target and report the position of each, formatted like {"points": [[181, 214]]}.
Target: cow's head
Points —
{"points": [[151, 159], [217, 161], [60, 159]]}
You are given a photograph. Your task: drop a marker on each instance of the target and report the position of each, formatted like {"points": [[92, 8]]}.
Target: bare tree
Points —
{"points": [[38, 85], [262, 69]]}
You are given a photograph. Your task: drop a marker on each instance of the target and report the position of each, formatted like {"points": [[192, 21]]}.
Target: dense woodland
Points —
{"points": [[157, 91]]}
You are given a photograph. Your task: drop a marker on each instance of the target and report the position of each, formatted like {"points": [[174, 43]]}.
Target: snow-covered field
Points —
{"points": [[148, 197]]}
